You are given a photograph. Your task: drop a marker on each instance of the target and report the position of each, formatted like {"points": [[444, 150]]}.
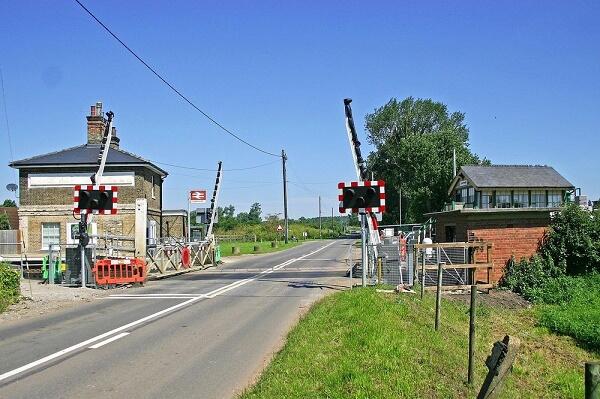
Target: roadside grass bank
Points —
{"points": [[10, 289], [247, 247], [571, 306], [361, 343]]}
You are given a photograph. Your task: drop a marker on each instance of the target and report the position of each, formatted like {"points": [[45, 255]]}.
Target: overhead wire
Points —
{"points": [[8, 135], [172, 87], [213, 170]]}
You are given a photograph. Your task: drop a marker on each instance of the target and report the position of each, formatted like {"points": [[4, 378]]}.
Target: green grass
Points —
{"points": [[248, 247], [363, 344], [573, 308]]}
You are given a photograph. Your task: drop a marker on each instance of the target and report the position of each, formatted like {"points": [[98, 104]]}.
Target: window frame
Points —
{"points": [[518, 194], [501, 204], [43, 240]]}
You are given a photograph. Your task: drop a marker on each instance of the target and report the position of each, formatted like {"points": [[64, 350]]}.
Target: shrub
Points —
{"points": [[10, 289], [574, 239], [528, 277]]}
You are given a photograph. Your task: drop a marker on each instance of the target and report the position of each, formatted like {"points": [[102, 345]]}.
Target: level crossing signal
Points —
{"points": [[362, 196], [95, 199]]}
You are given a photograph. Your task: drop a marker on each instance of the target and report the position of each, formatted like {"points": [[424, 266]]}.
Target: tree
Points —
{"points": [[254, 214], [9, 203], [414, 140], [4, 223]]}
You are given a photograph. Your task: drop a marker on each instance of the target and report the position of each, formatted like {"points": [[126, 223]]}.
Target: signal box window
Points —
{"points": [[486, 199], [50, 234], [554, 199], [521, 199], [502, 199], [538, 199]]}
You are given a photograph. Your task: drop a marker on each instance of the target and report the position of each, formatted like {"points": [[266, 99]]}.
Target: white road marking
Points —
{"points": [[153, 297], [108, 341], [128, 326]]}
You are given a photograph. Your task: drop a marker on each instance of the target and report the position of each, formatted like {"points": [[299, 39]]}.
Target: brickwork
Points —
{"points": [[174, 226], [520, 242], [31, 219], [512, 233]]}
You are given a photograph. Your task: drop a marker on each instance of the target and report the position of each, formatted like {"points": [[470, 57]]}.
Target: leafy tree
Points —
{"points": [[4, 223], [254, 214], [414, 140], [9, 203]]}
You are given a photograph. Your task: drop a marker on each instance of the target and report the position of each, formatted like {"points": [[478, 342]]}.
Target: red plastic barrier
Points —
{"points": [[185, 257], [120, 271]]}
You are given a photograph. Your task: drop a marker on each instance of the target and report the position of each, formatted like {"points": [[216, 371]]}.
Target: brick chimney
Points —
{"points": [[114, 141], [95, 124]]}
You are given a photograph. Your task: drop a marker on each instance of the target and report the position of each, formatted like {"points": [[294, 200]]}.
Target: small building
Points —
{"points": [[174, 224], [46, 185], [507, 205]]}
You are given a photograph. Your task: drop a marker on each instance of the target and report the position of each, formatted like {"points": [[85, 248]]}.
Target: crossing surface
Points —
{"points": [[205, 334]]}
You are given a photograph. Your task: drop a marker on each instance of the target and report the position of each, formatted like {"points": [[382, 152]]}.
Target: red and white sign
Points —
{"points": [[197, 196], [279, 228], [115, 200], [366, 183]]}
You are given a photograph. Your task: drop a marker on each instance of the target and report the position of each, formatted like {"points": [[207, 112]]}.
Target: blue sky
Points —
{"points": [[526, 74]]}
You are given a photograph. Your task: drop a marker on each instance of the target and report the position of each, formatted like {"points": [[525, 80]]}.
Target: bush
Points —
{"points": [[574, 240], [10, 289], [528, 277]]}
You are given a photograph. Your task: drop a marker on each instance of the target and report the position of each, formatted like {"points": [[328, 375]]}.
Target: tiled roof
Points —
{"points": [[86, 154], [515, 176]]}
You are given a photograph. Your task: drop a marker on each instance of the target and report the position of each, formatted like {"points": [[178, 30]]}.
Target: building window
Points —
{"points": [[521, 199], [152, 189], [538, 199], [486, 199], [502, 199], [467, 195], [73, 232], [554, 199], [50, 234]]}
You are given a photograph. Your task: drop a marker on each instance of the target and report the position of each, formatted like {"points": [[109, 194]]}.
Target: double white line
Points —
{"points": [[120, 330]]}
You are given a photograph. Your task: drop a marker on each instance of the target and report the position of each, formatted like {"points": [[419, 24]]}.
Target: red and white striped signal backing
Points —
{"points": [[366, 183], [115, 200]]}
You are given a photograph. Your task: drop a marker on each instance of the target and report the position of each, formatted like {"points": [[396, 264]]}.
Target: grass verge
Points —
{"points": [[364, 344], [248, 247]]}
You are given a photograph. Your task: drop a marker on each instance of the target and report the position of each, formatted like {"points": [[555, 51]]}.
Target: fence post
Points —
{"points": [[438, 295], [379, 270], [423, 277], [472, 334], [592, 380]]}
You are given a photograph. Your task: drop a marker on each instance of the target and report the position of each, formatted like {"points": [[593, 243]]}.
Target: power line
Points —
{"points": [[213, 170], [10, 147], [186, 99]]}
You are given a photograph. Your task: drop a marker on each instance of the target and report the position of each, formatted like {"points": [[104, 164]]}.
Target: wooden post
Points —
{"points": [[592, 380], [438, 295], [379, 271], [499, 364], [423, 277], [472, 334]]}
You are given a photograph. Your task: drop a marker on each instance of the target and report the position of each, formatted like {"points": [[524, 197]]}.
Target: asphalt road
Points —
{"points": [[200, 335]]}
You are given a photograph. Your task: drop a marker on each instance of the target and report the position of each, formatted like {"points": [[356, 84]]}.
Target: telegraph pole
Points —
{"points": [[320, 234], [285, 208]]}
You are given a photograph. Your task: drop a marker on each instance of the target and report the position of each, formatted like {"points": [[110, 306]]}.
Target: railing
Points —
{"points": [[458, 262]]}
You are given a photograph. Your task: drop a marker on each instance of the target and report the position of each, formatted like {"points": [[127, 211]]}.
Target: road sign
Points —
{"points": [[362, 196], [279, 228], [197, 196]]}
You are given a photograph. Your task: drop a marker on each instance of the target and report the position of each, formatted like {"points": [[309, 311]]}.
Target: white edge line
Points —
{"points": [[154, 297], [108, 341], [211, 294], [85, 343]]}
